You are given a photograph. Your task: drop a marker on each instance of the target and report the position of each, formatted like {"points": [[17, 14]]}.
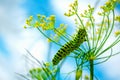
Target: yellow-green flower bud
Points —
{"points": [[117, 33], [78, 74]]}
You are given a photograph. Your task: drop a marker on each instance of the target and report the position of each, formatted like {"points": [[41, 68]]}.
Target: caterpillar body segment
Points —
{"points": [[70, 46]]}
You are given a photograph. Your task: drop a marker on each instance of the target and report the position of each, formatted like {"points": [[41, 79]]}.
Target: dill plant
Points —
{"points": [[90, 52]]}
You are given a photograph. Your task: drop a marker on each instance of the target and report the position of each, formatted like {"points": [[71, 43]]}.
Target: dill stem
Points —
{"points": [[107, 35], [80, 21], [93, 32], [64, 37], [84, 28], [91, 69], [48, 37], [100, 31], [113, 44]]}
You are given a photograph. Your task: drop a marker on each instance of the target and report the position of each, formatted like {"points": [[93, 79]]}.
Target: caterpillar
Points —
{"points": [[70, 46]]}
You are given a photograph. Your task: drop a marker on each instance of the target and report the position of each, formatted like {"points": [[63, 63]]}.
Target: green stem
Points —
{"points": [[64, 37], [48, 37], [100, 31], [91, 69], [108, 56], [84, 28], [93, 32], [113, 44], [80, 20], [107, 34]]}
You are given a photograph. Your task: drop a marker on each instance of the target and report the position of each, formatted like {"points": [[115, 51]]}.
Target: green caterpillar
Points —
{"points": [[70, 46]]}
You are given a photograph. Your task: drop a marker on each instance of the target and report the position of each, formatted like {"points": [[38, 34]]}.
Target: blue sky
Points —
{"points": [[14, 39]]}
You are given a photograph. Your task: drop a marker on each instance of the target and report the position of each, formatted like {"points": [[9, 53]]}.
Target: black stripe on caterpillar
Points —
{"points": [[70, 46]]}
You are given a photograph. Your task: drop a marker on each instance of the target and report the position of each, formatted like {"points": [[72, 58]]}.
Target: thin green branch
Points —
{"points": [[113, 44], [63, 35], [93, 32], [105, 59], [84, 28], [33, 57], [100, 31], [49, 38], [80, 20], [109, 33], [22, 76], [31, 61], [40, 64], [68, 74], [108, 56], [104, 38]]}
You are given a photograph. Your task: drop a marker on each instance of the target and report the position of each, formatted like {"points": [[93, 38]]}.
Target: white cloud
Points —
{"points": [[12, 18]]}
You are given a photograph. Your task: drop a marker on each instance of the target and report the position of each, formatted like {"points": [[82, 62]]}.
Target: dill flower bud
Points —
{"points": [[52, 18], [78, 74], [25, 27], [43, 25], [31, 18], [36, 24], [99, 13], [49, 40], [87, 77], [87, 13], [47, 64], [43, 16], [38, 15], [73, 9], [117, 18], [88, 24], [117, 33], [28, 22]]}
